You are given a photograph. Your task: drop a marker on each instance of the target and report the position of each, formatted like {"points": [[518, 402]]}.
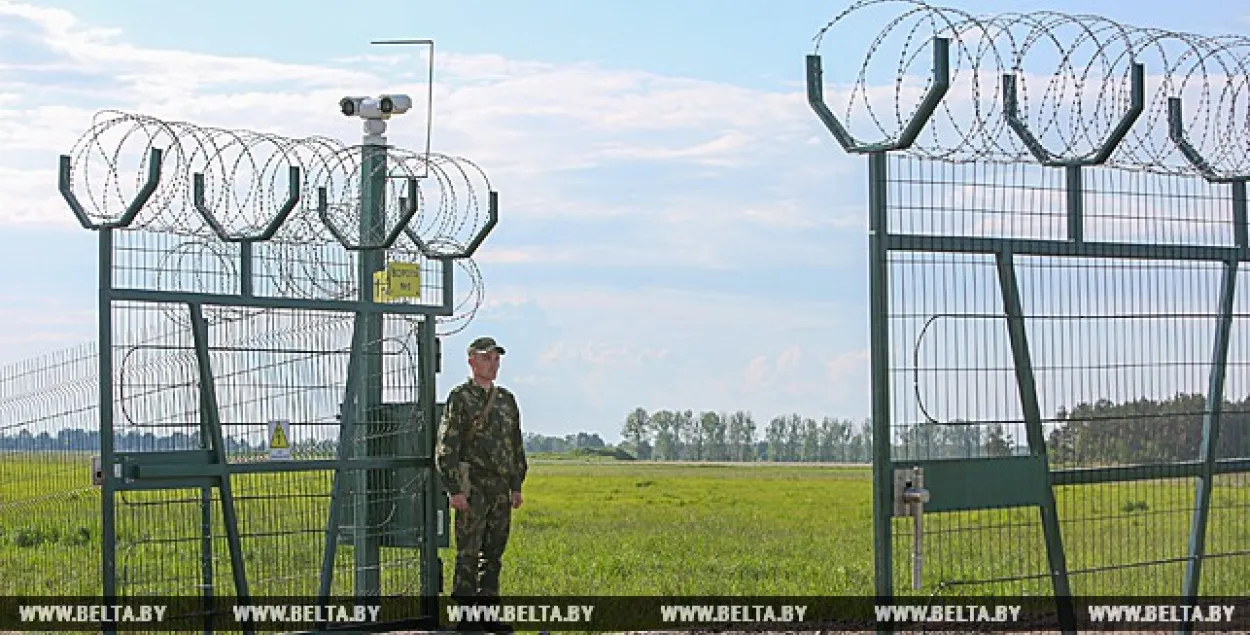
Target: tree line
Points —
{"points": [[79, 440], [1147, 431], [1091, 433], [672, 435], [1101, 432]]}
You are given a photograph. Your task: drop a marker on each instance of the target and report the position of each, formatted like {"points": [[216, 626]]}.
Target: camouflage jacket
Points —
{"points": [[497, 447]]}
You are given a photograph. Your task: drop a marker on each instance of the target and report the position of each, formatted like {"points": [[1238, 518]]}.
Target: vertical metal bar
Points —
{"points": [[206, 529], [1210, 440], [879, 295], [917, 532], [1076, 204], [344, 451], [365, 539], [1027, 388], [245, 268], [449, 294], [431, 568], [108, 511], [206, 555], [210, 419], [1239, 214]]}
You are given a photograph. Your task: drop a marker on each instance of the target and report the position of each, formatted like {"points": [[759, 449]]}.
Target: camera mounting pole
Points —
{"points": [[368, 394], [375, 132]]}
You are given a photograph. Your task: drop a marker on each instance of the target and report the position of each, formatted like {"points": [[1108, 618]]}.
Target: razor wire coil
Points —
{"points": [[246, 181], [302, 198], [1073, 79]]}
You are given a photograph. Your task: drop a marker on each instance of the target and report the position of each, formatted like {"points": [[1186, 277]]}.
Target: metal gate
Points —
{"points": [[268, 344], [1058, 345]]}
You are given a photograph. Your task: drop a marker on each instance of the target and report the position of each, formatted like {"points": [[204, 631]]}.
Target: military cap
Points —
{"points": [[485, 345]]}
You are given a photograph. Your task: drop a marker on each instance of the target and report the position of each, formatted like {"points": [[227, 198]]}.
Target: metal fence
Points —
{"points": [[270, 312], [1057, 226]]}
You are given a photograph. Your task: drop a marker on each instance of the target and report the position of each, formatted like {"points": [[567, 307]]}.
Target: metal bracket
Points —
{"points": [[97, 471], [910, 497], [908, 490]]}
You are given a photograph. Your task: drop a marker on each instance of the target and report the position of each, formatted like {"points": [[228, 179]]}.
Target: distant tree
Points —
{"points": [[684, 433], [637, 427], [842, 431], [960, 440], [677, 428], [776, 437], [588, 440], [735, 436], [750, 435], [643, 451], [996, 442], [665, 444], [921, 441], [862, 442], [811, 440], [713, 424], [700, 439], [793, 431]]}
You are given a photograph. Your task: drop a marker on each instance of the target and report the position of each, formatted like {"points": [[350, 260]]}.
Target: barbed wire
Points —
{"points": [[246, 183], [301, 198], [1073, 79]]}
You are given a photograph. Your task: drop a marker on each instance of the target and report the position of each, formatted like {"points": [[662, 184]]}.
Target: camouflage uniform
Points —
{"points": [[497, 467]]}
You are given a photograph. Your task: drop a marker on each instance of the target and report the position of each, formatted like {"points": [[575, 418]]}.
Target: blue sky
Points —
{"points": [[677, 230]]}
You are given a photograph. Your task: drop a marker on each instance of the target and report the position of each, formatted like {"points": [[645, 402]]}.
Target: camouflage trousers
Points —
{"points": [[481, 537]]}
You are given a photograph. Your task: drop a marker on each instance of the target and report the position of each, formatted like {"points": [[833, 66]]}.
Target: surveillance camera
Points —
{"points": [[395, 104], [370, 108], [350, 106]]}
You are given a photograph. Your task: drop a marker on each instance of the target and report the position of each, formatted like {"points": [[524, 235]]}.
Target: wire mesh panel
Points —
{"points": [[272, 364], [49, 507], [1120, 353]]}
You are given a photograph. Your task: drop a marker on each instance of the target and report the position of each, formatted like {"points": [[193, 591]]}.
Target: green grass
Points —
{"points": [[604, 527], [672, 529]]}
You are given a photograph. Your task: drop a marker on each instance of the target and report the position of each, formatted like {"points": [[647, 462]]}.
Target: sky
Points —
{"points": [[677, 230]]}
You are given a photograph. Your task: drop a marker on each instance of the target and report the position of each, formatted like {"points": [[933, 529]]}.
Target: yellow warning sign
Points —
{"points": [[399, 280], [403, 280], [278, 442], [380, 291], [279, 439]]}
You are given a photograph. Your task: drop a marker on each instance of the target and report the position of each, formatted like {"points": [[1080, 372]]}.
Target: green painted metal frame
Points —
{"points": [[207, 469], [1030, 472], [366, 545]]}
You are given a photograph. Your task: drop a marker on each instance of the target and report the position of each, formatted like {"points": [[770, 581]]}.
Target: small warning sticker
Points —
{"points": [[279, 440]]}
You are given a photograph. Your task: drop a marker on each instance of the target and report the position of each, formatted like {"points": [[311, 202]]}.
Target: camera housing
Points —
{"points": [[375, 107], [395, 104], [350, 106]]}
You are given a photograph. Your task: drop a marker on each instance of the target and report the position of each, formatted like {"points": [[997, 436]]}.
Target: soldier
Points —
{"points": [[481, 460]]}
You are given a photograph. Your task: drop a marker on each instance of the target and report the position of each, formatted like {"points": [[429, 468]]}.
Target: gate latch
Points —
{"points": [[910, 497]]}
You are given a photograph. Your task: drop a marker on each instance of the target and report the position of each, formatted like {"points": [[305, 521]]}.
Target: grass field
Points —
{"points": [[604, 528]]}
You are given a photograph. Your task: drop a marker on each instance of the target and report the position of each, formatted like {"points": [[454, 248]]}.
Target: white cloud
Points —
{"points": [[31, 326], [766, 373], [602, 354], [849, 374]]}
